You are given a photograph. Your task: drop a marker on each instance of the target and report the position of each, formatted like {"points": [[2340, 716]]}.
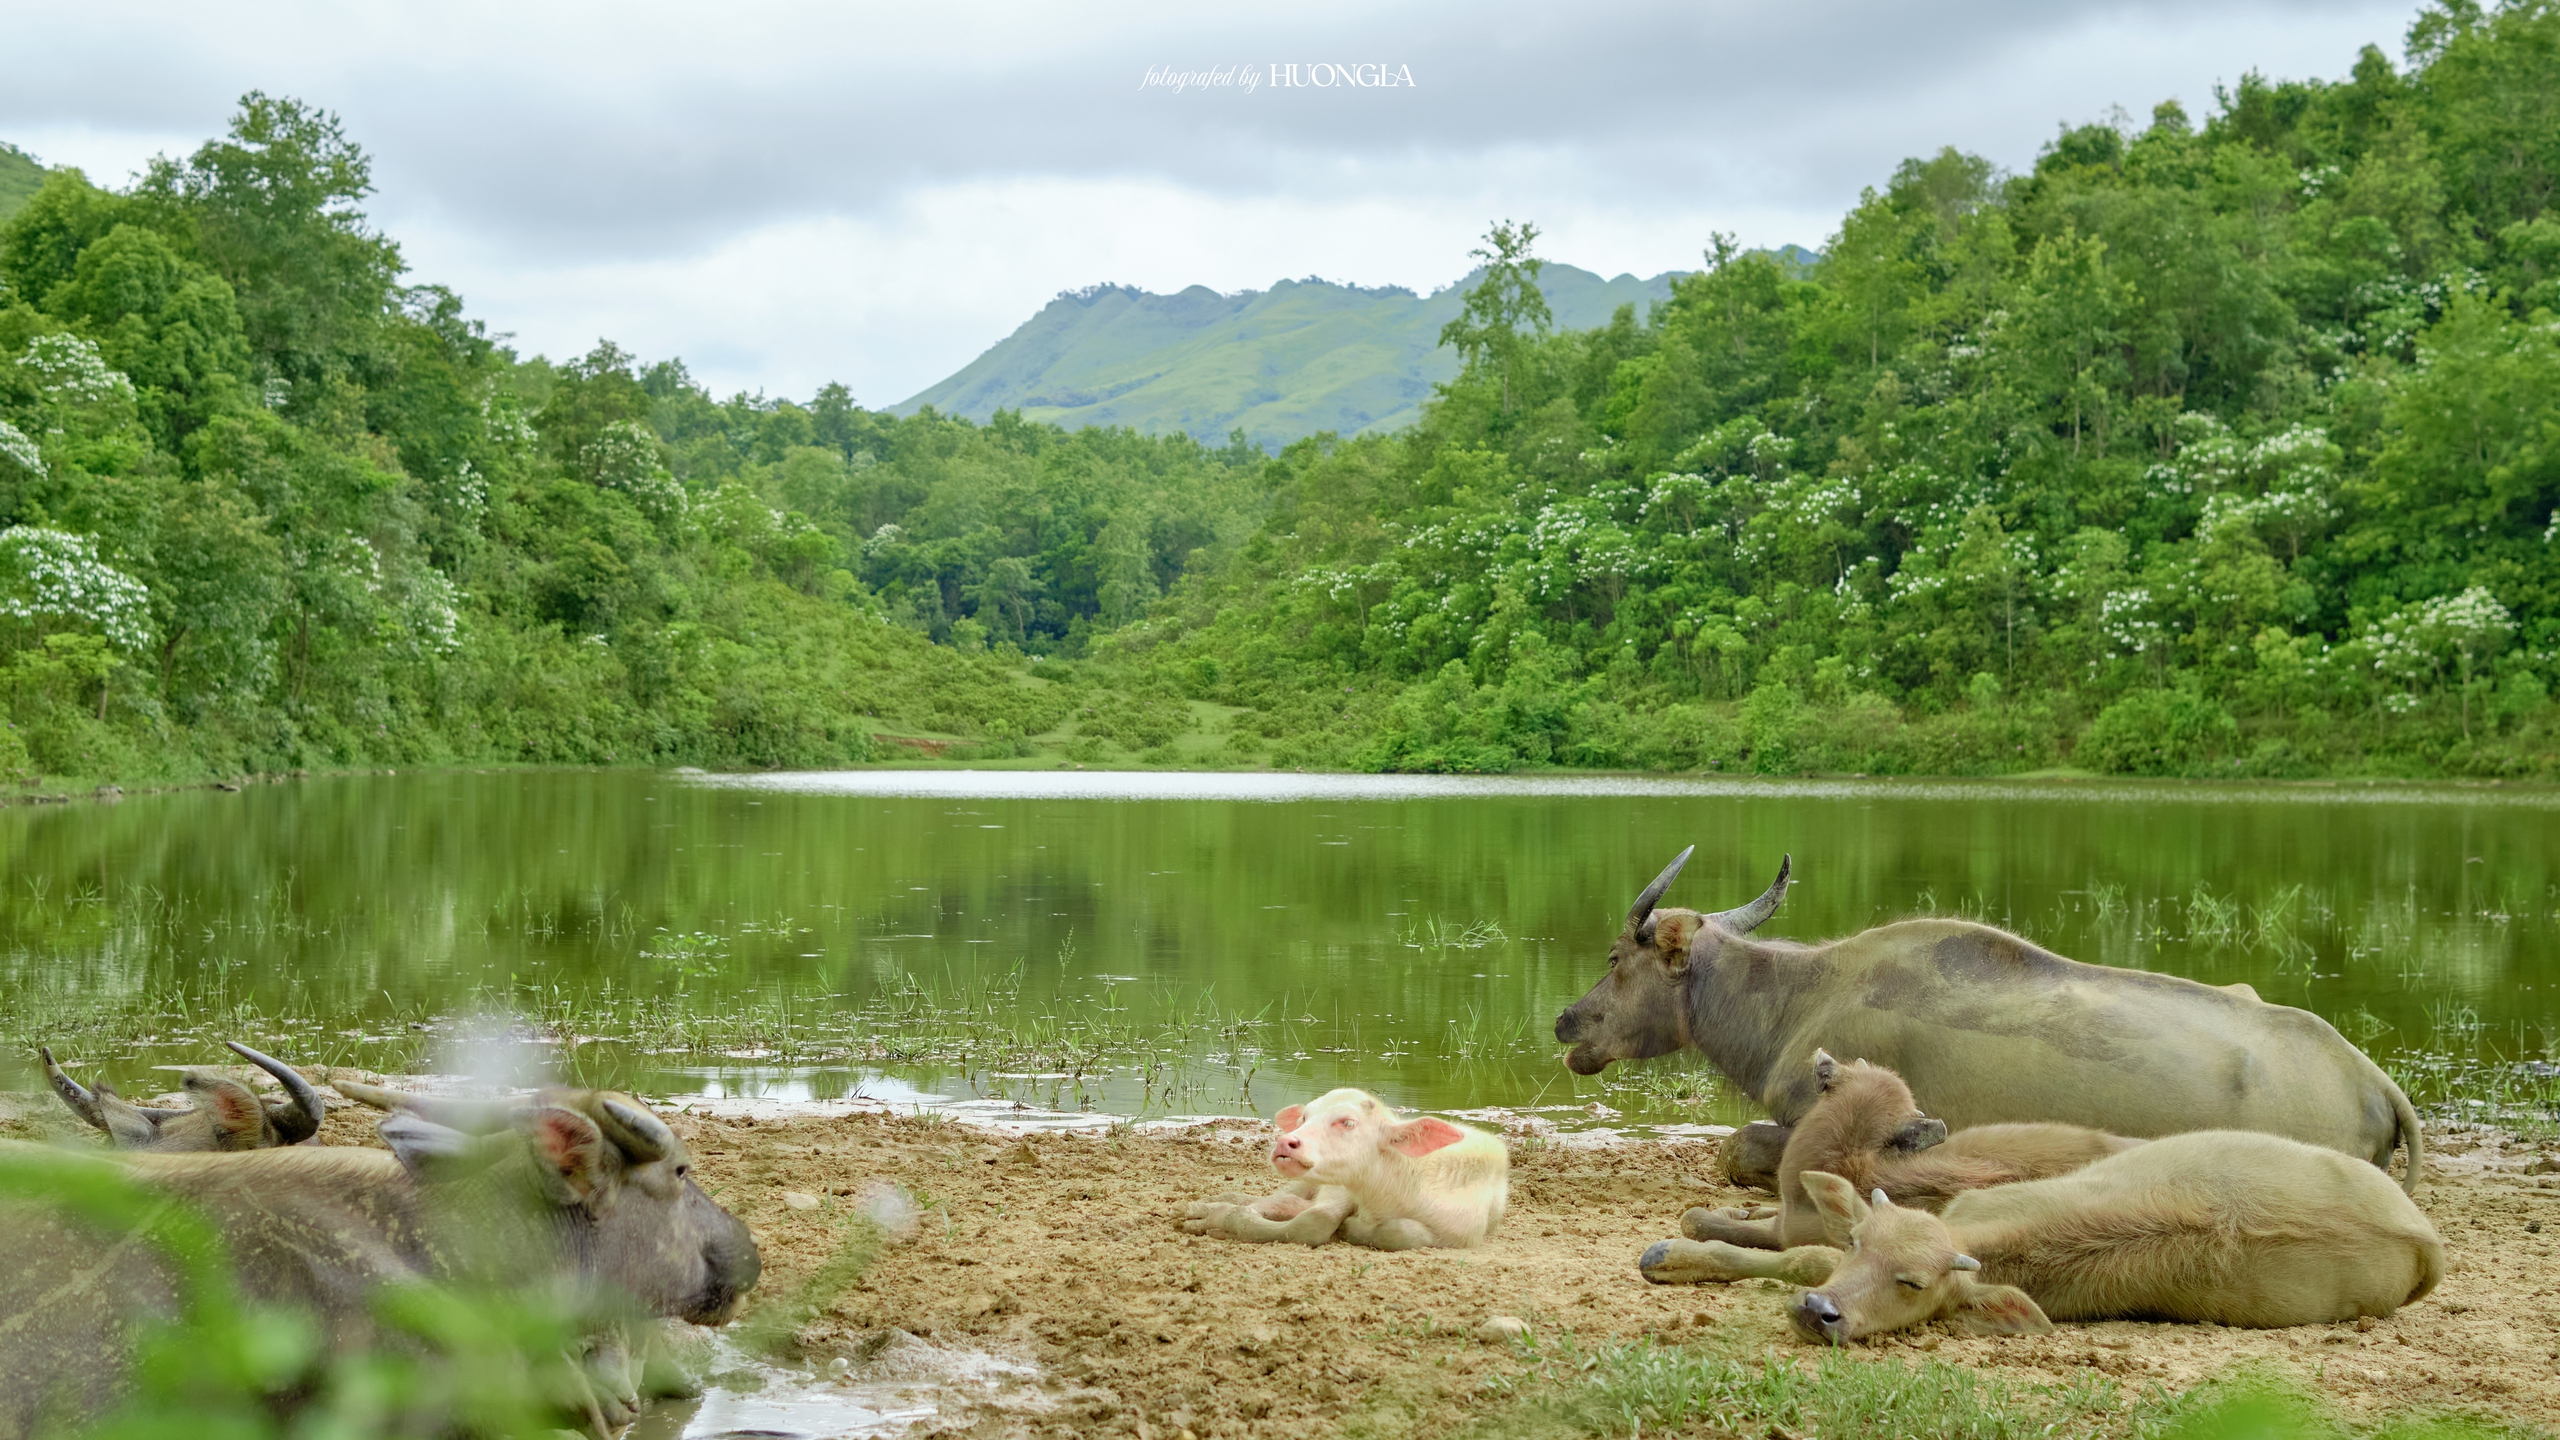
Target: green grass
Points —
{"points": [[1648, 1388]]}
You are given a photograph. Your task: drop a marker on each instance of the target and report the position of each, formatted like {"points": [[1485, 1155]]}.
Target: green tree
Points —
{"points": [[1505, 313]]}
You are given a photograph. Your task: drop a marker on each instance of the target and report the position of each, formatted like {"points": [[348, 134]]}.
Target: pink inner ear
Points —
{"points": [[235, 1110], [1422, 1136], [1291, 1118], [570, 1143]]}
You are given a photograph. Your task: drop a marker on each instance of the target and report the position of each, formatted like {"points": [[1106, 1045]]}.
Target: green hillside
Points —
{"points": [[1298, 359], [20, 176]]}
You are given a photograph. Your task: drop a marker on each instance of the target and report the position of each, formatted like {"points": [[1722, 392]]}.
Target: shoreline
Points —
{"points": [[2077, 783]]}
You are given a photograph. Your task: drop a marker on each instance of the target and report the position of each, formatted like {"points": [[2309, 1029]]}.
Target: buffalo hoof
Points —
{"points": [[1689, 1262], [1749, 1156], [1751, 1227]]}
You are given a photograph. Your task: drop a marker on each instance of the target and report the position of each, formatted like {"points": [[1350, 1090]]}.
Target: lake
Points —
{"points": [[1172, 943]]}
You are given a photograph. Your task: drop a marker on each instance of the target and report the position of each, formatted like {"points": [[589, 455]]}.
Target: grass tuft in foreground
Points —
{"points": [[1651, 1389]]}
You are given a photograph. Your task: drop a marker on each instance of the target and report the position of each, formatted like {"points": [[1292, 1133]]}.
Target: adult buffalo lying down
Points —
{"points": [[226, 1114], [584, 1196], [1985, 1027]]}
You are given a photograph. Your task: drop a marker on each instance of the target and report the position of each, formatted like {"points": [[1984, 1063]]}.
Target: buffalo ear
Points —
{"points": [[1836, 1198], [1918, 1134], [568, 1150], [1671, 936], [1420, 1136], [234, 1111], [426, 1149], [1825, 1069], [1291, 1118], [123, 1120], [1999, 1310]]}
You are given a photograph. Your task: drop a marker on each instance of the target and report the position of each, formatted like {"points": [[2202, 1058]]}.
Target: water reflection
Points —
{"points": [[1083, 943]]}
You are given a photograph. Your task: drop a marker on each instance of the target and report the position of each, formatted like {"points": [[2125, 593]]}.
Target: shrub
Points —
{"points": [[2157, 732]]}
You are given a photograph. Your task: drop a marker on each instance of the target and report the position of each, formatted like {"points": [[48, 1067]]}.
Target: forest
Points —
{"points": [[2227, 447]]}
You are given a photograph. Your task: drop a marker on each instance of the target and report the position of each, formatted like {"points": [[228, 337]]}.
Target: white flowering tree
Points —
{"points": [[17, 450], [75, 615], [53, 580], [68, 370], [624, 457], [2421, 642]]}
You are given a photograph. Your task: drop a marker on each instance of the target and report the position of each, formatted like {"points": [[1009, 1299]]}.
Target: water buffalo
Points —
{"points": [[585, 1198], [1867, 1130], [226, 1115], [1355, 1169], [2230, 1227], [1986, 1028]]}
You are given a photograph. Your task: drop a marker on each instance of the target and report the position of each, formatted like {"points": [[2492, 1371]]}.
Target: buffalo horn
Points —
{"points": [[643, 1136], [299, 1121], [1653, 893], [471, 1117], [82, 1103], [1750, 917], [156, 1114], [1964, 1262]]}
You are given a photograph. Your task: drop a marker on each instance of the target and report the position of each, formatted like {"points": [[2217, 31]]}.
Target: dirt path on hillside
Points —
{"points": [[1061, 1251]]}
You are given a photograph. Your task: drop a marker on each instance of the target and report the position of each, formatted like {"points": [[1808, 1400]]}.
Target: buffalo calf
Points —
{"points": [[1356, 1170], [1867, 1130], [2232, 1227]]}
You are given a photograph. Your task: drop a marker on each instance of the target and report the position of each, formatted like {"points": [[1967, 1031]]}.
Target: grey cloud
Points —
{"points": [[676, 133]]}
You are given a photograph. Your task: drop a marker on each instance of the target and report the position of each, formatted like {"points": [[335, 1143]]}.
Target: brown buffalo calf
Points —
{"points": [[2225, 1226], [1867, 1130]]}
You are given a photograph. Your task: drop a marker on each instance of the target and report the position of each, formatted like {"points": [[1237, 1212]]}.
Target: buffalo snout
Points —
{"points": [[1289, 1155], [1818, 1318], [731, 1266]]}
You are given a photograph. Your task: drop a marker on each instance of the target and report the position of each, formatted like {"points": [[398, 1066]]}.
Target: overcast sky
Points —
{"points": [[786, 194]]}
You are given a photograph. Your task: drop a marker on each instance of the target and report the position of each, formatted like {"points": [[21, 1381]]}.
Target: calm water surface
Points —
{"points": [[1269, 936]]}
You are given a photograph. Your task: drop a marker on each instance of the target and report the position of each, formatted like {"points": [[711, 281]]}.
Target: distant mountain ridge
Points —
{"points": [[21, 175], [1281, 364]]}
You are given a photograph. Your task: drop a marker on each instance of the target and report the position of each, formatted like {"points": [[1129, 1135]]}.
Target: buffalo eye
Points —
{"points": [[683, 1170], [1910, 1282], [1343, 1123]]}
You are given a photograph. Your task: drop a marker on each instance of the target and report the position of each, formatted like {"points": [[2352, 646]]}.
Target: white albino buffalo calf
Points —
{"points": [[1356, 1170]]}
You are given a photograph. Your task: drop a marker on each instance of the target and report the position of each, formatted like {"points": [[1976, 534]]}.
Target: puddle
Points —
{"points": [[902, 1382], [781, 1093]]}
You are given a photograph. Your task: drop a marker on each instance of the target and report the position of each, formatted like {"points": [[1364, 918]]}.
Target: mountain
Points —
{"points": [[1301, 357], [20, 178]]}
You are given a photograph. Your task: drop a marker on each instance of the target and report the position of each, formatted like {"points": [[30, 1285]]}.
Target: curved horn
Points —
{"points": [[643, 1136], [299, 1121], [82, 1103], [156, 1114], [1653, 893], [471, 1117], [1750, 917]]}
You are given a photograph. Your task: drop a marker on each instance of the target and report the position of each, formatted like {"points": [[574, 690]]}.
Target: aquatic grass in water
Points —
{"points": [[1183, 954]]}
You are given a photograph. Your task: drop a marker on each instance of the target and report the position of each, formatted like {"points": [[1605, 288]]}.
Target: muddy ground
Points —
{"points": [[1063, 1251]]}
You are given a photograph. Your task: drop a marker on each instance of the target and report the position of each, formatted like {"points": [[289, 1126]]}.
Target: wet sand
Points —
{"points": [[1060, 1252], [1063, 1250]]}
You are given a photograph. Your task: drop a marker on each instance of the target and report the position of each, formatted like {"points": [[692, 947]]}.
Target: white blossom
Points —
{"points": [[19, 450], [56, 575], [69, 368], [624, 456]]}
